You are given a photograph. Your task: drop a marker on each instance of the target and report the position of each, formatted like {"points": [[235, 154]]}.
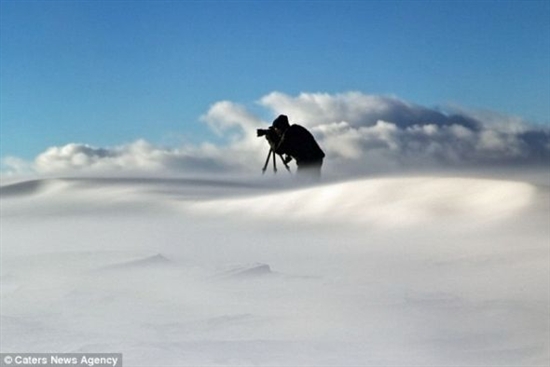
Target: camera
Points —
{"points": [[270, 134]]}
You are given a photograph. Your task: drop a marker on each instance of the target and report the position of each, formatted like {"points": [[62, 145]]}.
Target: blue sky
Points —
{"points": [[110, 72]]}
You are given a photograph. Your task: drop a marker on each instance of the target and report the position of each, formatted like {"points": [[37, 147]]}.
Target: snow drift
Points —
{"points": [[387, 202], [420, 270]]}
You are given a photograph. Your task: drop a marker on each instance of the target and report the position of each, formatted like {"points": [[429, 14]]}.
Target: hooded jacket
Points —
{"points": [[298, 143]]}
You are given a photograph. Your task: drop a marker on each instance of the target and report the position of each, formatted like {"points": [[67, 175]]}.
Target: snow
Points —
{"points": [[418, 270]]}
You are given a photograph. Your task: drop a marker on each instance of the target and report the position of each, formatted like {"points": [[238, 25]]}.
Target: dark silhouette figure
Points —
{"points": [[297, 143]]}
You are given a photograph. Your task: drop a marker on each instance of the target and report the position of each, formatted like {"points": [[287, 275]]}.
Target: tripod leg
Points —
{"points": [[274, 161], [267, 160], [286, 165]]}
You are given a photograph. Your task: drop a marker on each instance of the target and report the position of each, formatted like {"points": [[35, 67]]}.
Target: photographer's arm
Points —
{"points": [[281, 146]]}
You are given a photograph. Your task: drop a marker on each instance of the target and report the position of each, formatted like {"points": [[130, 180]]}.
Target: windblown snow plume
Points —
{"points": [[388, 271], [359, 133]]}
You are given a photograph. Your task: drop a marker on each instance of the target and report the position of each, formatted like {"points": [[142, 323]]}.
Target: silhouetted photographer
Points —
{"points": [[295, 142]]}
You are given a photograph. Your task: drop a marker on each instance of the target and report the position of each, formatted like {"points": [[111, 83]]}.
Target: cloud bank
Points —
{"points": [[359, 133]]}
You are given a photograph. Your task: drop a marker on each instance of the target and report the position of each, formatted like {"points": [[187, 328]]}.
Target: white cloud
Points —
{"points": [[358, 110], [13, 166], [362, 132], [137, 156], [359, 133], [225, 117], [315, 109], [72, 156]]}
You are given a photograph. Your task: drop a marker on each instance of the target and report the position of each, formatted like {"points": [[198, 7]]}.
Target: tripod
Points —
{"points": [[272, 152]]}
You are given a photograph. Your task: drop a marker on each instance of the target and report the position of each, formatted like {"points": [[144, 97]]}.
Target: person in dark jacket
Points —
{"points": [[297, 143]]}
